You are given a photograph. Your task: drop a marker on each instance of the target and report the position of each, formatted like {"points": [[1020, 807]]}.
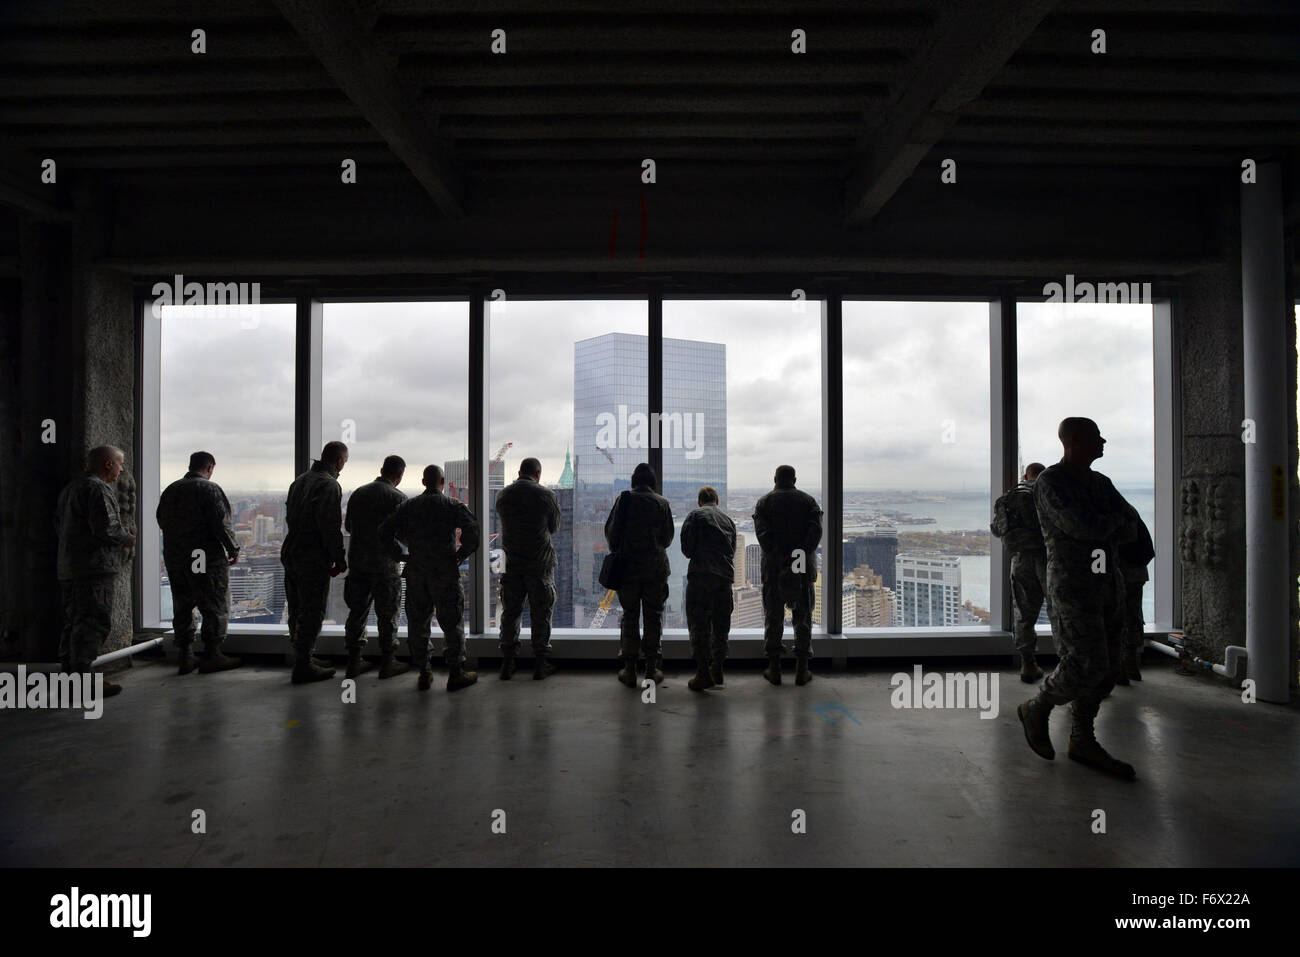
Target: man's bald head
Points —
{"points": [[434, 477], [1081, 440], [1033, 470]]}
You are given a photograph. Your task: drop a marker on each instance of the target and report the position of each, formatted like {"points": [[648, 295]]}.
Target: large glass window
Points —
{"points": [[916, 464], [568, 386], [226, 386], [1093, 360], [395, 381], [742, 394]]}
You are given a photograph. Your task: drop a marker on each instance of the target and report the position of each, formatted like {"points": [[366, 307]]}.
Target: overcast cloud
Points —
{"points": [[916, 386]]}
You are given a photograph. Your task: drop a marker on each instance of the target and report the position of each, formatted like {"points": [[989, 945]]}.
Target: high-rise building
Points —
{"points": [[848, 603], [873, 601], [753, 565], [929, 591], [263, 529], [747, 610], [612, 434], [876, 546], [739, 577]]}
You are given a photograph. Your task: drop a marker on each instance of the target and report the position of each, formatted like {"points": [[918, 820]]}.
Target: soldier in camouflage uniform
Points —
{"points": [[788, 524], [529, 515], [194, 516], [640, 529], [709, 541], [1134, 557], [92, 548], [373, 572], [427, 526], [312, 554], [1083, 518], [1024, 539]]}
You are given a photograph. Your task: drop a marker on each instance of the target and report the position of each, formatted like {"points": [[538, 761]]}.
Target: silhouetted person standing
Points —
{"points": [[92, 550], [709, 541], [373, 572], [1015, 521], [198, 548], [1083, 519], [427, 526], [1134, 556], [788, 523], [312, 553], [530, 515], [640, 529]]}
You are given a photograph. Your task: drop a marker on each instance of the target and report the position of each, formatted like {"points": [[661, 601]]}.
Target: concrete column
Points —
{"points": [[1264, 305]]}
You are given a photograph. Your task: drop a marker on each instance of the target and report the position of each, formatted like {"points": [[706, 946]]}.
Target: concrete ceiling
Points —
{"points": [[411, 91]]}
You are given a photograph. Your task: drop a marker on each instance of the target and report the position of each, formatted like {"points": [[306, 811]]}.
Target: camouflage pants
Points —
{"points": [[708, 617], [207, 591], [539, 589], [1028, 584], [1134, 635], [360, 590], [441, 595], [642, 599], [1087, 615], [306, 592], [87, 619], [801, 610]]}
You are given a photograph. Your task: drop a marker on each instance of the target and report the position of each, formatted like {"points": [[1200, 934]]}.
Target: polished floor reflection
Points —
{"points": [[588, 774]]}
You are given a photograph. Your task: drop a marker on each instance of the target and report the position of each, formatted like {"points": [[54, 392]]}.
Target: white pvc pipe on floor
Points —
{"points": [[127, 651]]}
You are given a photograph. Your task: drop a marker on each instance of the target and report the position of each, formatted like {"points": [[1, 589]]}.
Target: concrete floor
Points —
{"points": [[589, 775]]}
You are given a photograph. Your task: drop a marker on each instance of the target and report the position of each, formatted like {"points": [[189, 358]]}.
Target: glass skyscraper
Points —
{"points": [[612, 433]]}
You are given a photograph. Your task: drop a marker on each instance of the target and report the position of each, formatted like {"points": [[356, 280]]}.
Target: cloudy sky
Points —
{"points": [[916, 386]]}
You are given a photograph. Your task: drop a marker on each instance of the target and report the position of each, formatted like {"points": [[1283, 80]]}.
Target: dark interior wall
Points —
{"points": [[11, 556]]}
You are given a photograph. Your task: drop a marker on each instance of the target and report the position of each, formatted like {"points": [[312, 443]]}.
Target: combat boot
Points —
{"points": [[1122, 679], [390, 667], [308, 671], [702, 679], [654, 668], [627, 674], [1131, 669], [802, 672], [1092, 754], [214, 660], [1029, 670], [773, 670], [186, 662], [426, 679], [715, 672], [109, 689], [508, 665], [542, 668], [356, 664], [459, 678], [1033, 715]]}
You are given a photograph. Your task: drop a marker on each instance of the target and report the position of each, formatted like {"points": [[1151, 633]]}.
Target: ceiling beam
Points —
{"points": [[337, 34], [971, 44]]}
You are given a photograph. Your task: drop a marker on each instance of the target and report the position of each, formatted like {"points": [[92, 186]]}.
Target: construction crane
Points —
{"points": [[602, 611], [501, 453], [605, 452]]}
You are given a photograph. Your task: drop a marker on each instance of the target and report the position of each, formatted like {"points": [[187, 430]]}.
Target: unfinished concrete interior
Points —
{"points": [[914, 151]]}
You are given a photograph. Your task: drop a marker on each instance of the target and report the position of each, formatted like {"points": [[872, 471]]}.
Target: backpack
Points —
{"points": [[1009, 526]]}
